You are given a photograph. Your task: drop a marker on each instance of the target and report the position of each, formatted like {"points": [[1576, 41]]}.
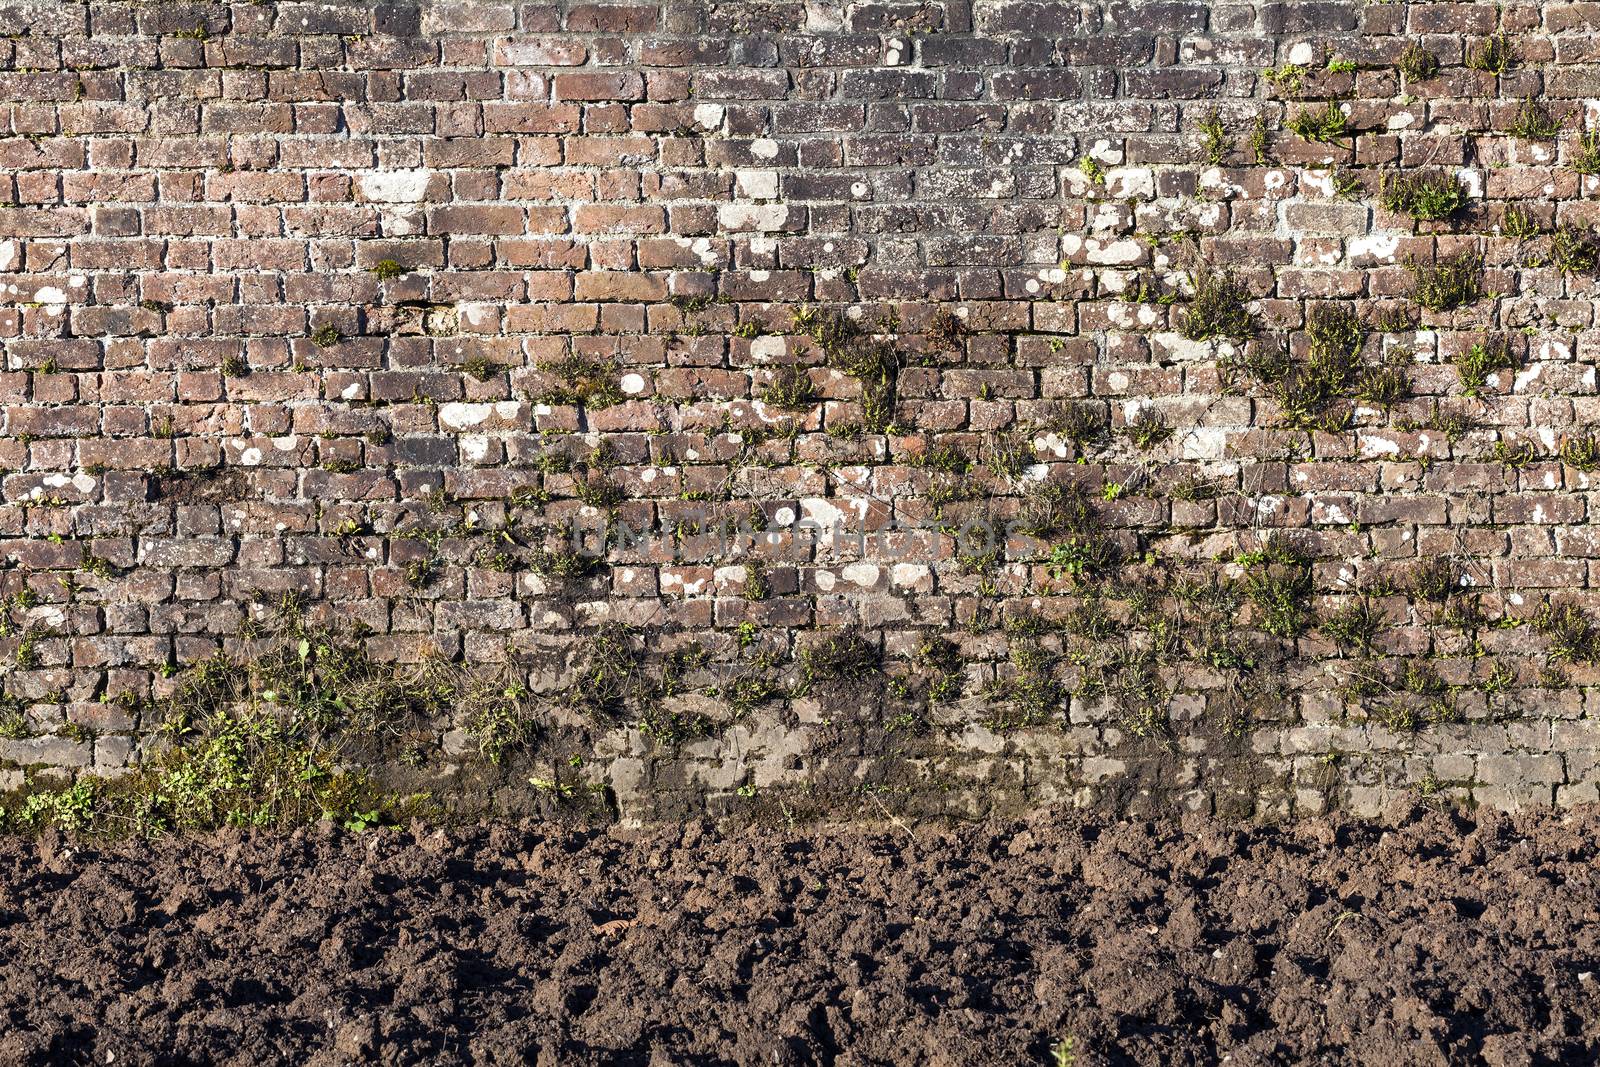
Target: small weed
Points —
{"points": [[479, 367], [1085, 424], [1385, 384], [1452, 424], [1572, 634], [1259, 142], [1534, 122], [1347, 186], [1355, 626], [1326, 126], [1218, 309], [1476, 364], [498, 721], [583, 382], [947, 330], [234, 367], [1425, 195], [790, 388], [756, 586], [1194, 488], [1148, 429], [1573, 250], [1418, 64], [844, 658], [1449, 283], [1278, 582], [1585, 159], [1288, 79], [1434, 580], [326, 336], [1494, 55], [1519, 223], [1581, 452], [1215, 139]]}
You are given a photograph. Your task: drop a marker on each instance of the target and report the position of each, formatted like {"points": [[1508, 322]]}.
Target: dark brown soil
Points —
{"points": [[1447, 938]]}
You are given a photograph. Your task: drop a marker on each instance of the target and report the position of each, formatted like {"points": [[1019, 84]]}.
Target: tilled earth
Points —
{"points": [[1437, 937]]}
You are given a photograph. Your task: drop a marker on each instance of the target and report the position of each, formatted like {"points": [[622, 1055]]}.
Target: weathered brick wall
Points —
{"points": [[376, 305]]}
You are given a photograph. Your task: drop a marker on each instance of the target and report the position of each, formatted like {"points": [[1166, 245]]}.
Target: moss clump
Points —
{"points": [[1427, 195], [1449, 283], [1218, 310], [326, 336], [388, 270]]}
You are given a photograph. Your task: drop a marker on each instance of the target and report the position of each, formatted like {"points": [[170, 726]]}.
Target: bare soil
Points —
{"points": [[1437, 938]]}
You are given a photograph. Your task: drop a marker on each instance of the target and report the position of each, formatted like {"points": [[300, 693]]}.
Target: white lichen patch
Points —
{"points": [[395, 186]]}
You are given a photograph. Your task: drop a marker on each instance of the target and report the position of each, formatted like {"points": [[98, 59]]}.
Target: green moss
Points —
{"points": [[326, 336]]}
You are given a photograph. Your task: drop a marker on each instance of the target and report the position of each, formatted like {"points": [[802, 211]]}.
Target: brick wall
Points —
{"points": [[807, 407]]}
